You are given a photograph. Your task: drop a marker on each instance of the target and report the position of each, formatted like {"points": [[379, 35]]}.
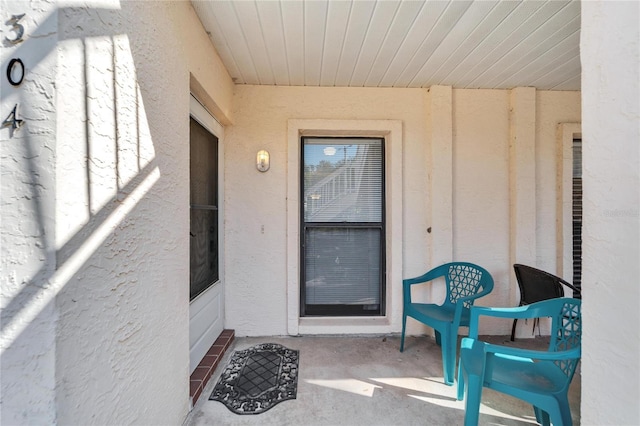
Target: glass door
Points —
{"points": [[342, 236]]}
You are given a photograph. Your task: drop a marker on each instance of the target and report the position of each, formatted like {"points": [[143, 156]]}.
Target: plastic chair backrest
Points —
{"points": [[566, 327], [465, 280], [567, 333], [541, 378], [537, 285]]}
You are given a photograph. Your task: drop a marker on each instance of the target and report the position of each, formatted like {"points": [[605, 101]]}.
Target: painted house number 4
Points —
{"points": [[15, 69]]}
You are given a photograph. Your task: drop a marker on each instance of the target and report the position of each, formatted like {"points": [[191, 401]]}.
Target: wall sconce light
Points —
{"points": [[262, 160]]}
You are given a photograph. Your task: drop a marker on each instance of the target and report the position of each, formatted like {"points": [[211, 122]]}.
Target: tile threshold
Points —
{"points": [[201, 375]]}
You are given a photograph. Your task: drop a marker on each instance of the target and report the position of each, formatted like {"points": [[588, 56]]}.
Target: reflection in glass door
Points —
{"points": [[342, 236]]}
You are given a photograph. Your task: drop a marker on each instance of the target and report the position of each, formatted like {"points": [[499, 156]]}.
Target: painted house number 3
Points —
{"points": [[15, 69]]}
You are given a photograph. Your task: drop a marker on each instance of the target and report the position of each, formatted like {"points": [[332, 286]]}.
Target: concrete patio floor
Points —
{"points": [[367, 381]]}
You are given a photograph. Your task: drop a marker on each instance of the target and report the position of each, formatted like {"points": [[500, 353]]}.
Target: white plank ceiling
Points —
{"points": [[492, 44]]}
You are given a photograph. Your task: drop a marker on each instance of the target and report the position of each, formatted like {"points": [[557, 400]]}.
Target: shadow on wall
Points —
{"points": [[106, 199], [89, 186]]}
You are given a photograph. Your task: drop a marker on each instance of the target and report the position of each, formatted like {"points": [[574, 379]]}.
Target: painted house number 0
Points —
{"points": [[15, 70]]}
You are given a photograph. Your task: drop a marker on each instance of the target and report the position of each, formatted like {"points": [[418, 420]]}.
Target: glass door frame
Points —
{"points": [[345, 310]]}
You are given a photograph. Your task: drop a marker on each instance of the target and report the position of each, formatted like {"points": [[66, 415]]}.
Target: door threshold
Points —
{"points": [[345, 325], [201, 375]]}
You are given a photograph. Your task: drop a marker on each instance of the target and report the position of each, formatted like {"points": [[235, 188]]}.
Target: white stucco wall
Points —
{"points": [[123, 327], [27, 223], [610, 50], [552, 108], [95, 215], [479, 129], [481, 185], [118, 306], [256, 262]]}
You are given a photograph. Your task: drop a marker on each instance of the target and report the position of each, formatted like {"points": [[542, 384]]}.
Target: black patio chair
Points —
{"points": [[537, 285]]}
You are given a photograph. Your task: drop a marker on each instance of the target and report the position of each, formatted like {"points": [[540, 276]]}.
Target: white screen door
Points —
{"points": [[206, 308]]}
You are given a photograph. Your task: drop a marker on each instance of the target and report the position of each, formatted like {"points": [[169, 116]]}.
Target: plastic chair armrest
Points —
{"points": [[473, 349], [424, 278], [475, 296], [510, 312], [478, 295], [532, 354], [460, 304], [427, 276], [520, 312], [571, 286]]}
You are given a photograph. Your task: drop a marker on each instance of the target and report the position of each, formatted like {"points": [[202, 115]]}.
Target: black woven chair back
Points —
{"points": [[537, 285]]}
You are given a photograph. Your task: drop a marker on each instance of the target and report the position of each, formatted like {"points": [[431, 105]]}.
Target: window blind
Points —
{"points": [[577, 213], [343, 223]]}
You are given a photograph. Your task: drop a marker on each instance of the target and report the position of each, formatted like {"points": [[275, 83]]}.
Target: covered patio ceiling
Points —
{"points": [[489, 44]]}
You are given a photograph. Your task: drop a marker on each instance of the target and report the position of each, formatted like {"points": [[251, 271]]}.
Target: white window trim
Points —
{"points": [[566, 133], [204, 117], [391, 130]]}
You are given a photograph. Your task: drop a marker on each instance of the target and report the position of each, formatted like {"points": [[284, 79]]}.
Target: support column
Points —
{"points": [[609, 51], [440, 131], [441, 199], [522, 182]]}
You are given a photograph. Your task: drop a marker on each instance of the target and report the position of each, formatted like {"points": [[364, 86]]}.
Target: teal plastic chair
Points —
{"points": [[465, 283], [541, 378]]}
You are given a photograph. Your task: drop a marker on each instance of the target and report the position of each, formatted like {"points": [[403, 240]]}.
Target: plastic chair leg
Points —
{"points": [[542, 416], [472, 406], [564, 411], [556, 417], [448, 359], [513, 329], [460, 395], [438, 338], [404, 326]]}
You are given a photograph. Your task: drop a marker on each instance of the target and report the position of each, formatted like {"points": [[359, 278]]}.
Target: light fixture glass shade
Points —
{"points": [[262, 160]]}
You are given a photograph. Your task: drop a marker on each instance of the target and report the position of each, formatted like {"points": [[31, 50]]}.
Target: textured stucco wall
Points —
{"points": [[121, 158], [551, 108], [481, 185], [27, 164], [95, 212], [256, 262], [256, 274], [123, 81], [610, 49]]}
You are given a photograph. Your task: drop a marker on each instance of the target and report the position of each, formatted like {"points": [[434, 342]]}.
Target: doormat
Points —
{"points": [[258, 378]]}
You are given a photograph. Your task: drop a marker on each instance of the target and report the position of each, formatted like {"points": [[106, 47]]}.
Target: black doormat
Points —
{"points": [[258, 378]]}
